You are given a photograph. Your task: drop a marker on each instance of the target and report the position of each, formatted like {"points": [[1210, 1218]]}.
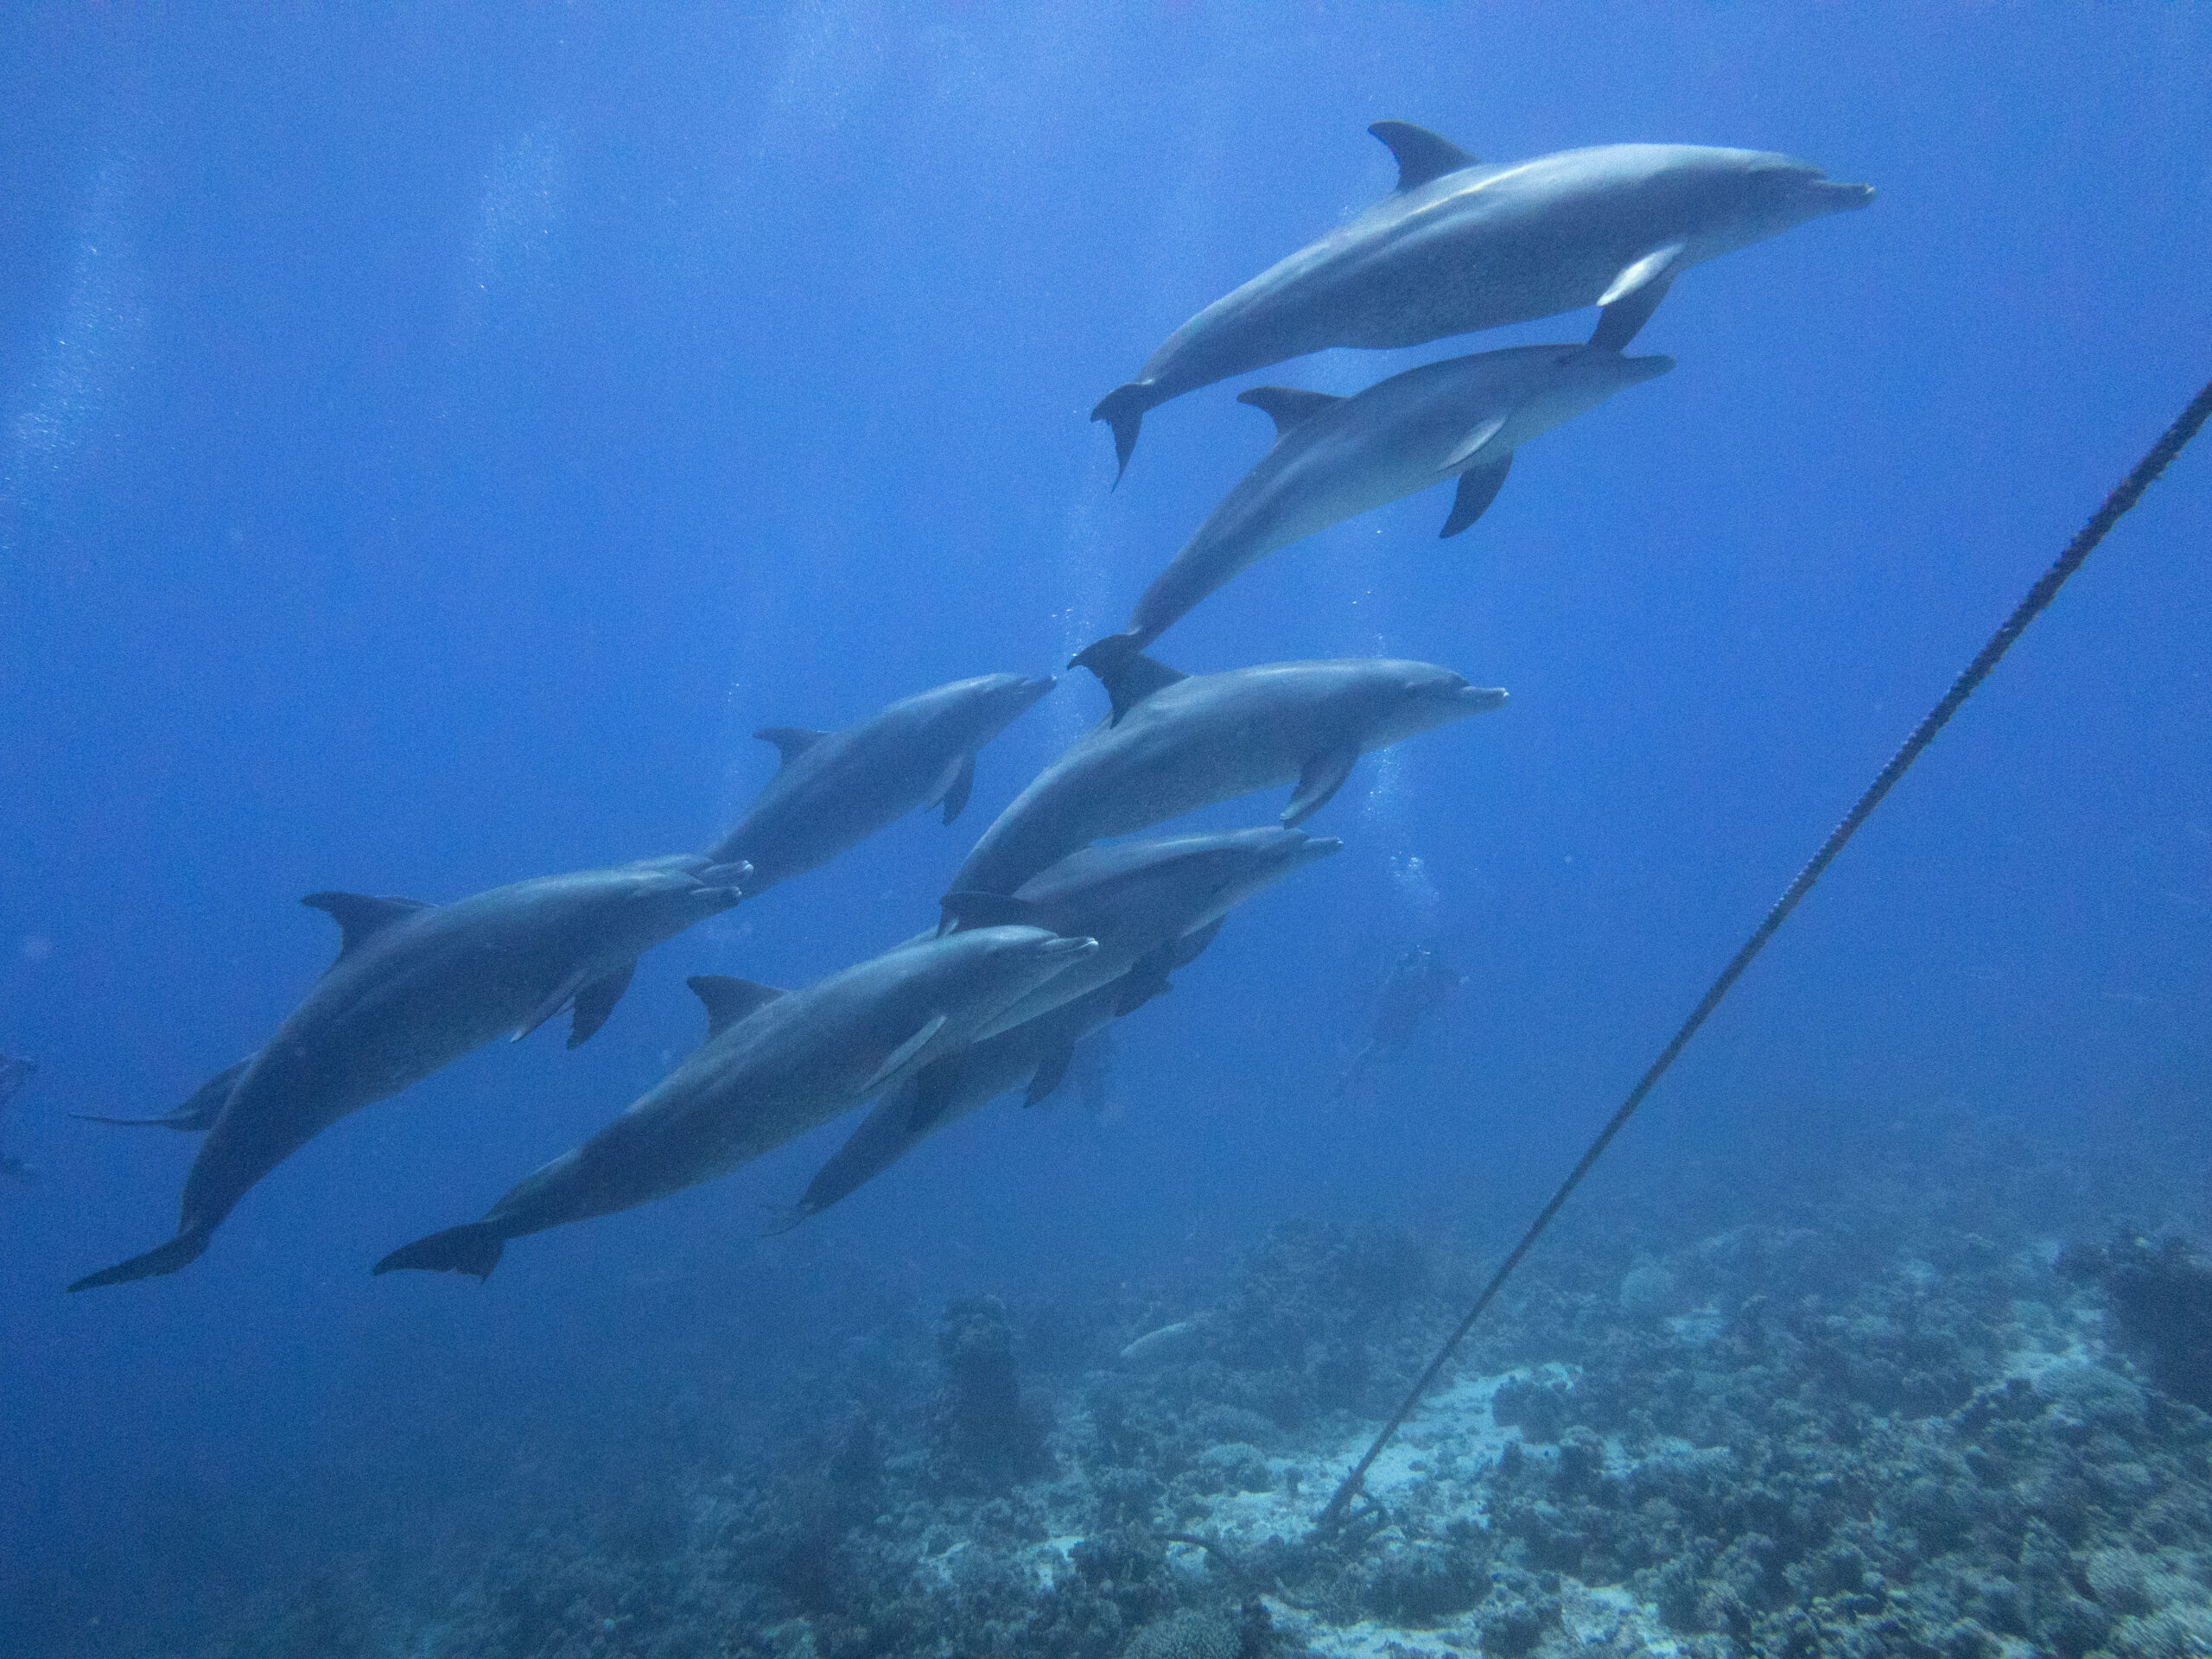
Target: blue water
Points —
{"points": [[434, 439]]}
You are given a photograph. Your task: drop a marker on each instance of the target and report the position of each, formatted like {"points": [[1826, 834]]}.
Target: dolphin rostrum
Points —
{"points": [[774, 1064], [1459, 246], [416, 986], [1334, 457], [835, 789], [1176, 742], [1139, 899]]}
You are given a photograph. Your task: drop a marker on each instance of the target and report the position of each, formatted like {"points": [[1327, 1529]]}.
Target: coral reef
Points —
{"points": [[1893, 1421]]}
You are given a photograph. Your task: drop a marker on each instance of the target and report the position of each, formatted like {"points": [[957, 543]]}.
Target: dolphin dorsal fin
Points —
{"points": [[729, 1001], [791, 741], [1286, 406], [1421, 154], [360, 917], [1135, 677], [972, 909]]}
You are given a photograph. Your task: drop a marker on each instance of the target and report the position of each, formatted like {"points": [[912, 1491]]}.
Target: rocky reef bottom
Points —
{"points": [[1950, 1407]]}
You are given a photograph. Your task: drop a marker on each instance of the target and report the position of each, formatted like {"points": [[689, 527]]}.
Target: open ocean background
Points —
{"points": [[432, 439]]}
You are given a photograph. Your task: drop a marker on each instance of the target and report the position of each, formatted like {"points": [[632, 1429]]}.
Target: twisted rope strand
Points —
{"points": [[2046, 589]]}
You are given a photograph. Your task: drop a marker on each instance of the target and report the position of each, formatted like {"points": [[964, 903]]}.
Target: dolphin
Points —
{"points": [[1334, 457], [835, 789], [1036, 1054], [774, 1064], [1176, 742], [1459, 246], [415, 986], [1139, 899]]}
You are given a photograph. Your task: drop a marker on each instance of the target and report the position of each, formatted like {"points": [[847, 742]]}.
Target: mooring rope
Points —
{"points": [[2130, 491]]}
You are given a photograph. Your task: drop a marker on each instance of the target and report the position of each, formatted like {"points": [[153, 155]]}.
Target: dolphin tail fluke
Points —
{"points": [[1127, 674], [180, 1251], [1103, 657], [1123, 409], [473, 1248]]}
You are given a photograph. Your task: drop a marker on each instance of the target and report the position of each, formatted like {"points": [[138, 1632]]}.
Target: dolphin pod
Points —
{"points": [[416, 986], [941, 1094], [835, 789], [1139, 899], [1154, 907], [1043, 938], [773, 1066], [1336, 457], [1176, 742], [1459, 246]]}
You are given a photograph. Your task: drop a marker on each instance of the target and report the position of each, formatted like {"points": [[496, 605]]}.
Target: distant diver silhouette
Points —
{"points": [[1419, 984], [2046, 589]]}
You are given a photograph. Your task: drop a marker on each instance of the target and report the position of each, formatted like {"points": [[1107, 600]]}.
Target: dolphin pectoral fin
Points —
{"points": [[1641, 273], [791, 741], [595, 999], [1127, 674], [1286, 406], [954, 787], [1188, 949], [359, 916], [728, 1001], [1324, 776], [473, 1247], [1147, 978], [902, 1058], [1470, 446], [195, 1114], [180, 1251], [1123, 409], [991, 910], [927, 1096], [1478, 487], [1051, 1070], [1421, 154], [556, 1000], [1628, 304]]}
